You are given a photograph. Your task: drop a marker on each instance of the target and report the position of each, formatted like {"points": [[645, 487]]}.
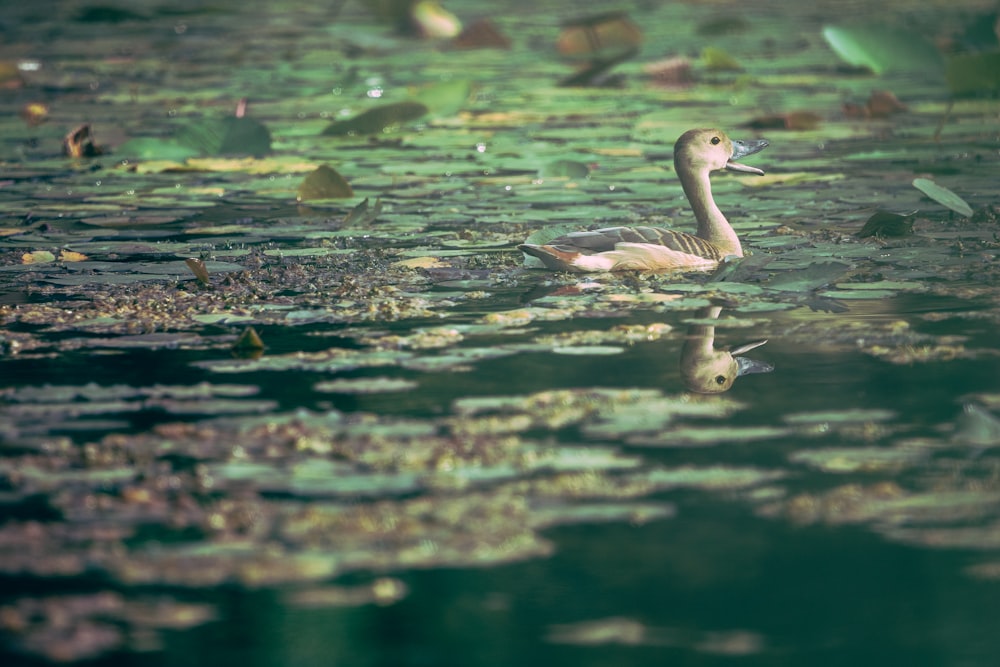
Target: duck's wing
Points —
{"points": [[625, 257], [606, 239], [602, 240]]}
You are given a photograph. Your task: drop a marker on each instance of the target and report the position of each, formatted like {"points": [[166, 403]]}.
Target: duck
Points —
{"points": [[697, 153]]}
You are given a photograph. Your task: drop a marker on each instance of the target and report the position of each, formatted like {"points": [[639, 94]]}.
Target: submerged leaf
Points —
{"points": [[225, 136], [943, 196], [377, 120]]}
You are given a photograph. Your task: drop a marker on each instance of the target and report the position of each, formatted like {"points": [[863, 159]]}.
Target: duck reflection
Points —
{"points": [[707, 370]]}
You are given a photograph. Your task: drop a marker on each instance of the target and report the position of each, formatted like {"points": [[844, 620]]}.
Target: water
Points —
{"points": [[462, 461]]}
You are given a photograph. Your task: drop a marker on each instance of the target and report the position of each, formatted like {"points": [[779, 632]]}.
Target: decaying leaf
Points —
{"points": [[34, 113], [249, 340], [363, 215], [793, 120], [37, 257], [880, 104], [670, 72], [602, 37], [80, 143], [71, 256], [481, 34], [886, 224], [199, 270]]}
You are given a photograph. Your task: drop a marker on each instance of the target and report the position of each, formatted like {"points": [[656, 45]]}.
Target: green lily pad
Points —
{"points": [[883, 48], [943, 196], [225, 136], [378, 120]]}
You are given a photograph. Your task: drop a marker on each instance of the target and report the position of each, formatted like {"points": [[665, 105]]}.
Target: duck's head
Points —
{"points": [[712, 150]]}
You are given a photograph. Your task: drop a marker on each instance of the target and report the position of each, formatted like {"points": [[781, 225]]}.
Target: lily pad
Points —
{"points": [[324, 183], [884, 48], [943, 196], [378, 120]]}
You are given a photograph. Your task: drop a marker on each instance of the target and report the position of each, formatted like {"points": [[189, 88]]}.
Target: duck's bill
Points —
{"points": [[745, 366], [742, 149]]}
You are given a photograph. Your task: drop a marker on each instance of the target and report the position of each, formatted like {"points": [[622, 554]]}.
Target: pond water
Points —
{"points": [[284, 391]]}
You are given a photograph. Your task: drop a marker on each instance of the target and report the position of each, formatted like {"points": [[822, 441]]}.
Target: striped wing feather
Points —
{"points": [[603, 240]]}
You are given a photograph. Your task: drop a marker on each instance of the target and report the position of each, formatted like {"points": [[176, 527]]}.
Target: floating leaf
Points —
{"points": [[973, 73], [717, 60], [155, 148], [882, 48], [943, 196], [71, 256], [885, 224], [324, 183], [444, 98], [722, 25], [377, 120], [37, 257], [564, 169], [225, 136], [372, 385]]}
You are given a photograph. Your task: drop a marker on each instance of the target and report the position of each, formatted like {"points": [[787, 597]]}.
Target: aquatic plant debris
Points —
{"points": [[225, 402]]}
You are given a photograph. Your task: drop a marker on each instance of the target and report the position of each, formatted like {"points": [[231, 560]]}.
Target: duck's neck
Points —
{"points": [[712, 224]]}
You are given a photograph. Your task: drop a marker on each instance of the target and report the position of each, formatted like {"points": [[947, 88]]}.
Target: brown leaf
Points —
{"points": [[481, 34], [672, 72], [249, 340], [793, 120], [71, 256], [198, 269], [882, 104], [600, 37]]}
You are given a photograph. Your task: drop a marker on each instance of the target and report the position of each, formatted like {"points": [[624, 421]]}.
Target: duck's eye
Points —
{"points": [[720, 379], [715, 140]]}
